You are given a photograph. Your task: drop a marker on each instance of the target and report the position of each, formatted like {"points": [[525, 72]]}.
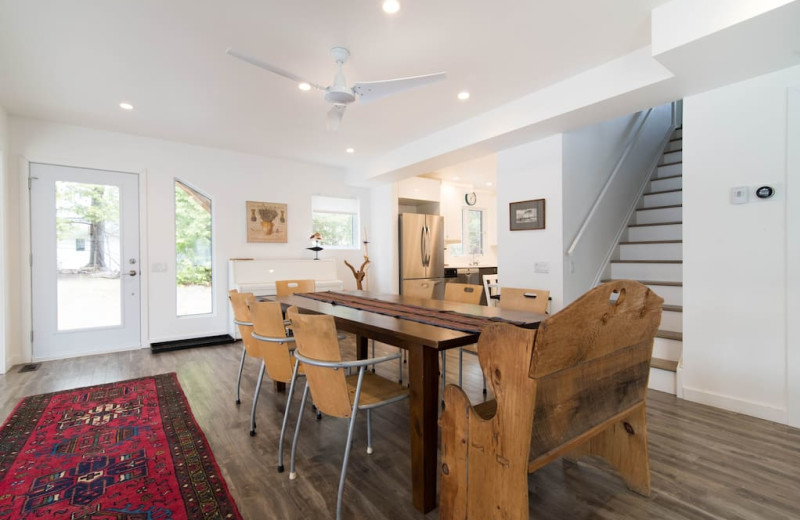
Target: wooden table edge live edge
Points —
{"points": [[423, 343]]}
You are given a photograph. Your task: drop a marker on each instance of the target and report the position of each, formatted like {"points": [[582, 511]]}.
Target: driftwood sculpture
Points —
{"points": [[576, 386], [360, 274]]}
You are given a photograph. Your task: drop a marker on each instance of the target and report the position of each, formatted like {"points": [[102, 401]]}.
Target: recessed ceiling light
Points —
{"points": [[304, 86], [456, 178], [488, 183], [126, 106], [391, 6], [463, 95], [350, 150]]}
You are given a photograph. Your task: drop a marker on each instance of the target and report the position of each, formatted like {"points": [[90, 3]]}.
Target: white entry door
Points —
{"points": [[85, 261]]}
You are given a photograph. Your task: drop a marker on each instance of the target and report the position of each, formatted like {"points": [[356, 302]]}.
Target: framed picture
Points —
{"points": [[267, 222], [528, 214]]}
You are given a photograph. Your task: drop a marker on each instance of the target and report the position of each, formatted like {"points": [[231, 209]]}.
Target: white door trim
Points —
{"points": [[793, 257]]}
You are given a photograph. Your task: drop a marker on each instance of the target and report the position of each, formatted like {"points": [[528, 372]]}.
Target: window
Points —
{"points": [[472, 231], [193, 273], [336, 219]]}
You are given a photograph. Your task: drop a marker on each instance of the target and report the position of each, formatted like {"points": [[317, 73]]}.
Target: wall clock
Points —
{"points": [[471, 198]]}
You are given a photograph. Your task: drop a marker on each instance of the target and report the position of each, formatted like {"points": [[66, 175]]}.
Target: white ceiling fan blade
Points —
{"points": [[335, 116], [272, 68], [373, 90]]}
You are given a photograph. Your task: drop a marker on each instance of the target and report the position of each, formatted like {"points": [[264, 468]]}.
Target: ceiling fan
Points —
{"points": [[338, 93]]}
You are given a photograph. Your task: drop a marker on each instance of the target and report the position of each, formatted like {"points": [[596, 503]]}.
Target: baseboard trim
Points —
{"points": [[733, 404], [208, 341]]}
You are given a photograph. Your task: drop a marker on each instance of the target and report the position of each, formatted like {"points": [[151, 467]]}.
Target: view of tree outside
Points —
{"points": [[192, 251], [337, 229], [87, 255], [473, 232]]}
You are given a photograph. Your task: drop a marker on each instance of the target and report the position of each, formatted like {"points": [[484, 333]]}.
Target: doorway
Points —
{"points": [[84, 261]]}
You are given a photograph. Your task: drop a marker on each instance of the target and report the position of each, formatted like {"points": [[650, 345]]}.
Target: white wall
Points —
{"points": [[735, 256], [4, 300], [793, 256], [228, 178], [591, 155], [532, 171], [384, 273]]}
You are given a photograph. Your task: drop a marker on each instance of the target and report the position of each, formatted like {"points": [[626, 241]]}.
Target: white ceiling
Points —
{"points": [[74, 62]]}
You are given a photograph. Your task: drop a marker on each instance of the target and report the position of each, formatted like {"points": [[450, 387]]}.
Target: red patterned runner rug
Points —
{"points": [[440, 318], [125, 451]]}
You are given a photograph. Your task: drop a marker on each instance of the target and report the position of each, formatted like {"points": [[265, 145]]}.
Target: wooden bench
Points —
{"points": [[576, 386]]}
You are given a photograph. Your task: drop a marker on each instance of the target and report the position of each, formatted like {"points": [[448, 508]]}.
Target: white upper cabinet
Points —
{"points": [[419, 188]]}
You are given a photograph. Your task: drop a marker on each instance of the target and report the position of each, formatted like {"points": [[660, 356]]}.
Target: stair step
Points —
{"points": [[672, 308], [669, 334], [637, 270], [651, 250], [666, 348], [672, 292], [661, 199], [647, 261], [673, 182], [659, 214], [669, 170], [664, 364], [672, 318]]}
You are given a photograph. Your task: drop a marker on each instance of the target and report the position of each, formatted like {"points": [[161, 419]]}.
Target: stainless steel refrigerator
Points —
{"points": [[422, 250]]}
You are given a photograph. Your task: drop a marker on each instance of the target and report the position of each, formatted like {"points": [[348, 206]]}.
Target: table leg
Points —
{"points": [[423, 372], [362, 350], [278, 386]]}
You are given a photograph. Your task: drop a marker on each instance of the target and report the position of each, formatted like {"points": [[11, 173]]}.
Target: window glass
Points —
{"points": [[336, 220], [472, 232], [193, 247]]}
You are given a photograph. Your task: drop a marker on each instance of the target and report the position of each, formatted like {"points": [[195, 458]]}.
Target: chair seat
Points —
{"points": [[375, 389]]}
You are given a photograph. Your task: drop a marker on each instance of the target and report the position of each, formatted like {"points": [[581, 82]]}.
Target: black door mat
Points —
{"points": [[165, 346]]}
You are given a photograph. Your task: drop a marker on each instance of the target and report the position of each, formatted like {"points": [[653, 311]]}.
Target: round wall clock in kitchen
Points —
{"points": [[471, 198]]}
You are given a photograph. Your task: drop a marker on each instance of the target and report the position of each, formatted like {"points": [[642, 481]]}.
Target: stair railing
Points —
{"points": [[604, 192]]}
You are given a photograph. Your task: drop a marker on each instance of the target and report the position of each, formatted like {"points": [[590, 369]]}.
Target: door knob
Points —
{"points": [[132, 272]]}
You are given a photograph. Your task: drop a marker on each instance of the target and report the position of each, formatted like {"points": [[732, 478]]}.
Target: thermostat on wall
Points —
{"points": [[765, 192]]}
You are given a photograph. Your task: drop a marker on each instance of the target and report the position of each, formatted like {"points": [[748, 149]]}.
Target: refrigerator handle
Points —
{"points": [[427, 246], [423, 244]]}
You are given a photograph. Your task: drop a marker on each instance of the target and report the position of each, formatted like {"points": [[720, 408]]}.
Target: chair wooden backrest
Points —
{"points": [[315, 337], [463, 293], [530, 300], [268, 322], [241, 314], [575, 386], [418, 288], [289, 287]]}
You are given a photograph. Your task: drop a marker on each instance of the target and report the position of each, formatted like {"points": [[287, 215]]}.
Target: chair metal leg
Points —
{"points": [[349, 442], [239, 379], [373, 353], [255, 399], [286, 416], [460, 365], [369, 431], [292, 472]]}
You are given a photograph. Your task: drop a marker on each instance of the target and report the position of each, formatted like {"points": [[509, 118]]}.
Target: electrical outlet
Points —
{"points": [[541, 267], [740, 195]]}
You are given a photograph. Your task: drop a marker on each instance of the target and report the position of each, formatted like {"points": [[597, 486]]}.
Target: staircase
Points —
{"points": [[651, 251]]}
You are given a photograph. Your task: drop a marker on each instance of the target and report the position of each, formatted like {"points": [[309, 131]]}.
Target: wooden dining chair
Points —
{"points": [[511, 298], [461, 293], [335, 393], [418, 288], [289, 287], [242, 319]]}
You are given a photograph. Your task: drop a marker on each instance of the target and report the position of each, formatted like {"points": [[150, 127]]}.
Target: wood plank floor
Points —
{"points": [[705, 463]]}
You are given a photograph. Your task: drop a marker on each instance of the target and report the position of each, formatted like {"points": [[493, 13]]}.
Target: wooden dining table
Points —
{"points": [[424, 344]]}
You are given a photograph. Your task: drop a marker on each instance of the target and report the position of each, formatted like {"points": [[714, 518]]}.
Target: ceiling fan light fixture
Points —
{"points": [[463, 95], [305, 87], [391, 6], [126, 106]]}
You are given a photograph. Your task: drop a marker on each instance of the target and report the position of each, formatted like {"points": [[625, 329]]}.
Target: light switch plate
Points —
{"points": [[541, 267], [740, 194]]}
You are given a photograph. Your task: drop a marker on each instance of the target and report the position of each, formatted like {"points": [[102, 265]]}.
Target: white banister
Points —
{"points": [[601, 196]]}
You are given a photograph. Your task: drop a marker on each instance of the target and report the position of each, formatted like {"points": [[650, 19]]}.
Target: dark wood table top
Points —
{"points": [[371, 324]]}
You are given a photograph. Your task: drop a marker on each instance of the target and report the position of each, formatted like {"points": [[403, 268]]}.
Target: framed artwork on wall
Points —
{"points": [[267, 222], [527, 214]]}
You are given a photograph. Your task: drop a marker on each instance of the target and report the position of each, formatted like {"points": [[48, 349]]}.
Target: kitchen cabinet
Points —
{"points": [[419, 188]]}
